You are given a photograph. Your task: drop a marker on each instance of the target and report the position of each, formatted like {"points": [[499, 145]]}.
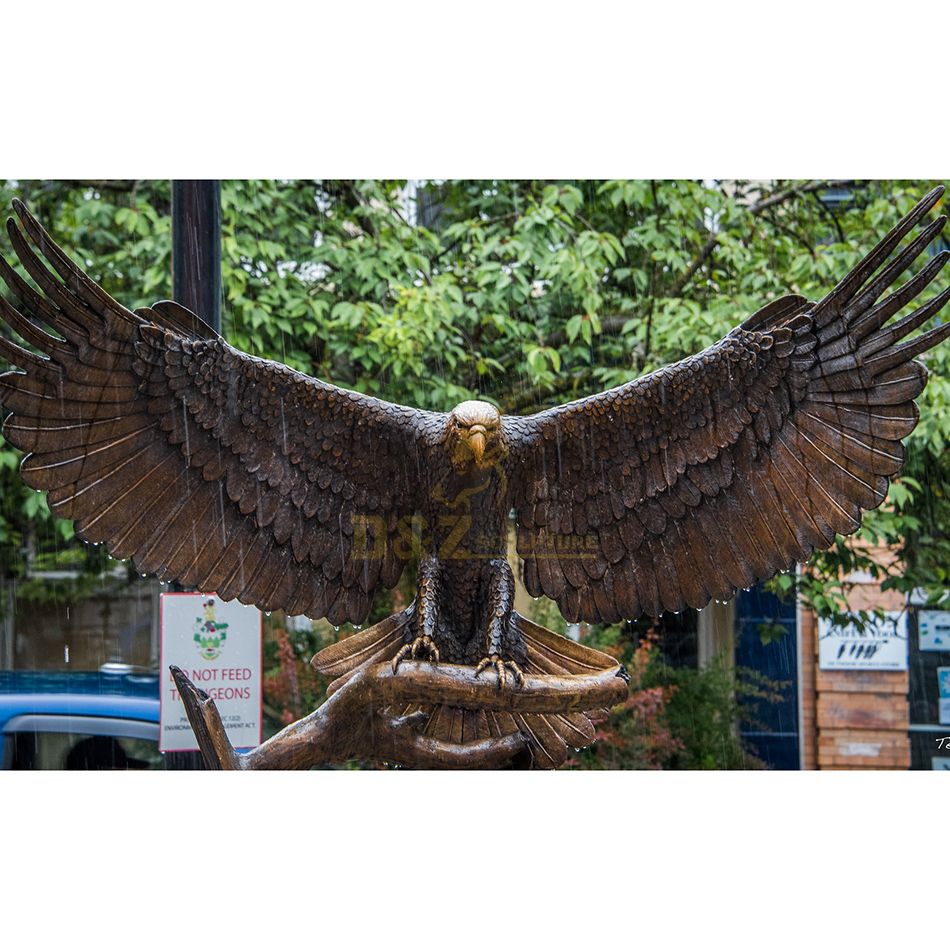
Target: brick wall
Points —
{"points": [[853, 719]]}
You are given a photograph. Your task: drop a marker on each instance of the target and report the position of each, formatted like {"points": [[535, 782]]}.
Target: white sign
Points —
{"points": [[943, 694], [933, 628], [882, 645], [218, 645]]}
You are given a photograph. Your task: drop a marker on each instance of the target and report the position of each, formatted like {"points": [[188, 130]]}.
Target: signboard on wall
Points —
{"points": [[943, 694], [933, 630], [218, 645], [882, 645]]}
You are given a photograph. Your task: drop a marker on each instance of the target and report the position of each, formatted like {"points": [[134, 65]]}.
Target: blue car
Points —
{"points": [[88, 721]]}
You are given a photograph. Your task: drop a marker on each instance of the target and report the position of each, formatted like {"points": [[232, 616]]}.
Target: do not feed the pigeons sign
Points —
{"points": [[218, 645]]}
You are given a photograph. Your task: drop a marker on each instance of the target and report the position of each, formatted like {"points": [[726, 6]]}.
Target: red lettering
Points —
{"points": [[235, 673]]}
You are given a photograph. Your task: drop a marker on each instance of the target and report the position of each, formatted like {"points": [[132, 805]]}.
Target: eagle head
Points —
{"points": [[475, 436]]}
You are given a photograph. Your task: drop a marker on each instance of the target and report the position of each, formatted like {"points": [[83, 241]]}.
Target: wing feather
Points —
{"points": [[721, 470], [197, 461]]}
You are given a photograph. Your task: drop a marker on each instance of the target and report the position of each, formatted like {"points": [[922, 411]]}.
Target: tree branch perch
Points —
{"points": [[350, 723]]}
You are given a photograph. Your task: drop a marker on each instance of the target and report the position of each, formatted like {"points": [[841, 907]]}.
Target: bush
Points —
{"points": [[677, 717]]}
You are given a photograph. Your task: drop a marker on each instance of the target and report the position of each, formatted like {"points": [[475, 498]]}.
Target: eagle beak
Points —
{"points": [[476, 440]]}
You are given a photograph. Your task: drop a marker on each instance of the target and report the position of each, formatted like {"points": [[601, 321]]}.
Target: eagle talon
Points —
{"points": [[425, 645], [420, 648], [499, 665]]}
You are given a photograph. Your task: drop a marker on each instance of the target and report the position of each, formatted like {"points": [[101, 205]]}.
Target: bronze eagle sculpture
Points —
{"points": [[234, 474]]}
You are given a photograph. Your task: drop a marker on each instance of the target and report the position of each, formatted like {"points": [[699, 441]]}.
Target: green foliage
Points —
{"points": [[525, 293], [707, 707], [291, 689], [677, 717]]}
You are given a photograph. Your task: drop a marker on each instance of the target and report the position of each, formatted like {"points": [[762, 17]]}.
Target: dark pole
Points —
{"points": [[196, 248], [196, 262]]}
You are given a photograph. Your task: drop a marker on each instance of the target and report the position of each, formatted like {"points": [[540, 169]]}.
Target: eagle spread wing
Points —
{"points": [[716, 472], [200, 463]]}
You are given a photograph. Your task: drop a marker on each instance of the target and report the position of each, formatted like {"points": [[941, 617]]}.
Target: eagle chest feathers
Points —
{"points": [[466, 511]]}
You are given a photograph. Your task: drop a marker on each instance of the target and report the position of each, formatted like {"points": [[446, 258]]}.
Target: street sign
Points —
{"points": [[882, 646], [218, 645]]}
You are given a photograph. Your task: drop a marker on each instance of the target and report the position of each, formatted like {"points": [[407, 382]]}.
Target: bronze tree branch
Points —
{"points": [[353, 723]]}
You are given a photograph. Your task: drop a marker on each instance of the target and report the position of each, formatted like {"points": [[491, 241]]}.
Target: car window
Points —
{"points": [[86, 743], [75, 751]]}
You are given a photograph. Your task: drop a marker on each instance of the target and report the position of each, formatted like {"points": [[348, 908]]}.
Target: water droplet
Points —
{"points": [[336, 629]]}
